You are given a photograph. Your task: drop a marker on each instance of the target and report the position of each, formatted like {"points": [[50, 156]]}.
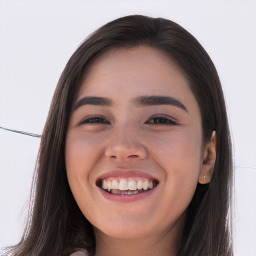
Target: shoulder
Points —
{"points": [[79, 253]]}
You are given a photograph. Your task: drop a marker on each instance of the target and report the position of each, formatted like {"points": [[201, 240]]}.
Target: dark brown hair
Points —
{"points": [[57, 226]]}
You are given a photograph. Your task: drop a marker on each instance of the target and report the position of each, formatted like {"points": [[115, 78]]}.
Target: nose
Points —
{"points": [[125, 145]]}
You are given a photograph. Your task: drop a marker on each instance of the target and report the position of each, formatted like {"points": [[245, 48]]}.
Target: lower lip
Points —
{"points": [[127, 198]]}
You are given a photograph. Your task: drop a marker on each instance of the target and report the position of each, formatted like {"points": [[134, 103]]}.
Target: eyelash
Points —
{"points": [[158, 120], [95, 120], [162, 120]]}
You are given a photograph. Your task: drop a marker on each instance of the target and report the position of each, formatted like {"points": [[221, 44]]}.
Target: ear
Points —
{"points": [[208, 162]]}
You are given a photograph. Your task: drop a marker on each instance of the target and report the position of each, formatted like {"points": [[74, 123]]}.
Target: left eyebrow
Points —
{"points": [[143, 101]]}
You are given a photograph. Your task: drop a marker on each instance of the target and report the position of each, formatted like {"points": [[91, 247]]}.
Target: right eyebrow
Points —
{"points": [[92, 100]]}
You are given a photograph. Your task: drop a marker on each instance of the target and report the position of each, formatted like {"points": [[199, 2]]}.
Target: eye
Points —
{"points": [[95, 120], [162, 120]]}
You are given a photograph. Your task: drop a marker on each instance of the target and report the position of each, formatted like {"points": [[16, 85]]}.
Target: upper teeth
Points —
{"points": [[127, 184]]}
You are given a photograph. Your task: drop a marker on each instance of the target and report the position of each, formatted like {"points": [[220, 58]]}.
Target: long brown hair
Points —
{"points": [[57, 226]]}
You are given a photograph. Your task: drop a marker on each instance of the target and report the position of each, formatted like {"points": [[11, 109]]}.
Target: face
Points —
{"points": [[134, 146]]}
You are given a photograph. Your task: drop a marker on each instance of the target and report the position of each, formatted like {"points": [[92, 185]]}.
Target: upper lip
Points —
{"points": [[126, 174]]}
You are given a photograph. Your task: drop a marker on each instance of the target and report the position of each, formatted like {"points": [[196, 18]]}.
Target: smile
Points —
{"points": [[126, 186]]}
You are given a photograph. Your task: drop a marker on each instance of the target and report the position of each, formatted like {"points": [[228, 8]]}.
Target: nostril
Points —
{"points": [[133, 156], [125, 151], [125, 157]]}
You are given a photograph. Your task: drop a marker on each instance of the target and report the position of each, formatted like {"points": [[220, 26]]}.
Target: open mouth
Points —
{"points": [[126, 186]]}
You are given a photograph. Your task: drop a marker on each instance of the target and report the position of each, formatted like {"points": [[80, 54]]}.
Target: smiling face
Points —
{"points": [[134, 149]]}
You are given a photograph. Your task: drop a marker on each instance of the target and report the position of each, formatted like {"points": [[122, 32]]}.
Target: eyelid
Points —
{"points": [[99, 119], [87, 120], [172, 120]]}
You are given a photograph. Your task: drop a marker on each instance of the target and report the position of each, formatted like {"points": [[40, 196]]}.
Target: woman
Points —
{"points": [[135, 155]]}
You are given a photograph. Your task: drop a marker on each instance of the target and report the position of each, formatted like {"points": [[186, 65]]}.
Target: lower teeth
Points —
{"points": [[126, 192]]}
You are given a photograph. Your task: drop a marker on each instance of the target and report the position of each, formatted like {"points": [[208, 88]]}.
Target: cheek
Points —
{"points": [[179, 156], [179, 149], [82, 153]]}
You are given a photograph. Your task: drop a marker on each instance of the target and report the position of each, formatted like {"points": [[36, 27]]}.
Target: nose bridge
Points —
{"points": [[125, 142]]}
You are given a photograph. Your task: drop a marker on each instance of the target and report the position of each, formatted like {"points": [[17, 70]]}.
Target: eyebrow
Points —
{"points": [[141, 101], [92, 100]]}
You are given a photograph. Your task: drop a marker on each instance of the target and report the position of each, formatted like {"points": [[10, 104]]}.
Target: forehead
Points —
{"points": [[134, 72]]}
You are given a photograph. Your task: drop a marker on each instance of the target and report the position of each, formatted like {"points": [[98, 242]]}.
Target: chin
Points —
{"points": [[126, 230]]}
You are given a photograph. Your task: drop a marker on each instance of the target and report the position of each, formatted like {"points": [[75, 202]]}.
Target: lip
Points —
{"points": [[126, 174]]}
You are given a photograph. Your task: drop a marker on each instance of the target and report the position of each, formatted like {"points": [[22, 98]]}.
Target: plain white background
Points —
{"points": [[38, 37]]}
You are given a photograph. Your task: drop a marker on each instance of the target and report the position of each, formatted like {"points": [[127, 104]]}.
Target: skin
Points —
{"points": [[129, 139]]}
